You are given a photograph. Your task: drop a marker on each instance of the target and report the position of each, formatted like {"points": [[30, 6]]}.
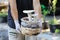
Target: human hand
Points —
{"points": [[17, 25], [40, 24]]}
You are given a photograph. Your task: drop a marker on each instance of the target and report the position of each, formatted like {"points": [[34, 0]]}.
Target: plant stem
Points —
{"points": [[44, 18]]}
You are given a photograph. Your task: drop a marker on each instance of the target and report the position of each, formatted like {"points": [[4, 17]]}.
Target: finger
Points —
{"points": [[18, 30]]}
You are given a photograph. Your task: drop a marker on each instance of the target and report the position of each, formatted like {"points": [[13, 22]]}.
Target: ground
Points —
{"points": [[3, 31]]}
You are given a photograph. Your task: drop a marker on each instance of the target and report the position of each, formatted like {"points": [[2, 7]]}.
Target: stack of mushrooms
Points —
{"points": [[30, 25]]}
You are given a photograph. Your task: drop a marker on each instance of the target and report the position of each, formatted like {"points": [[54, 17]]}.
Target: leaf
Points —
{"points": [[3, 14], [57, 31], [53, 21], [43, 6], [45, 12]]}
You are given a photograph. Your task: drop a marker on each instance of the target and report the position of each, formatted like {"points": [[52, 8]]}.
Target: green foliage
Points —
{"points": [[45, 11], [3, 14], [43, 6], [53, 21], [57, 31], [54, 2]]}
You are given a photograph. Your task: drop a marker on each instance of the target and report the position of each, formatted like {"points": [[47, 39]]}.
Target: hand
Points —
{"points": [[18, 28], [40, 23], [17, 25]]}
